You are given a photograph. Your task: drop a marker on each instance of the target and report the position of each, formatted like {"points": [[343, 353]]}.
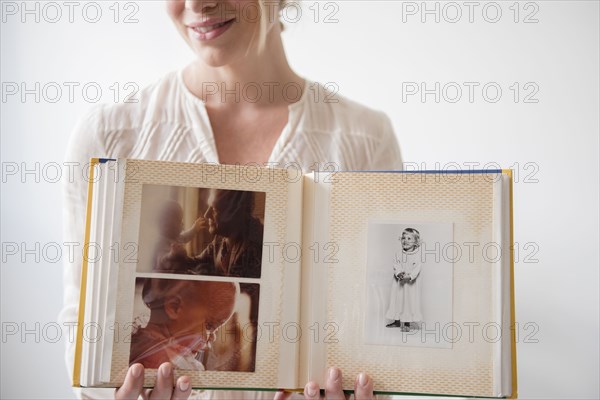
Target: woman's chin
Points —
{"points": [[220, 56], [212, 57]]}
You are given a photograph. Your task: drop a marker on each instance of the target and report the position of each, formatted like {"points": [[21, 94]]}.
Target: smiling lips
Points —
{"points": [[210, 29]]}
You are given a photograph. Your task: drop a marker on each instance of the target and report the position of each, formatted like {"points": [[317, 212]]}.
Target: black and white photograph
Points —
{"points": [[199, 231], [409, 283]]}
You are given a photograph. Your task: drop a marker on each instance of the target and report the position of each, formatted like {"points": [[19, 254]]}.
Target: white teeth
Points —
{"points": [[205, 29]]}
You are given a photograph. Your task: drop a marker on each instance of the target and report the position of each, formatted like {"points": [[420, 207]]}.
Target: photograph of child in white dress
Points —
{"points": [[405, 296], [409, 284]]}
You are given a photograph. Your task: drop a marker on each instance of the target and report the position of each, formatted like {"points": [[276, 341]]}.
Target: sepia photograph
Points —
{"points": [[199, 231], [409, 283], [196, 325]]}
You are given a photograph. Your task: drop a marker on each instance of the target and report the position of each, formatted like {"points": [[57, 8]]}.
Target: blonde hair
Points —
{"points": [[415, 233], [264, 21]]}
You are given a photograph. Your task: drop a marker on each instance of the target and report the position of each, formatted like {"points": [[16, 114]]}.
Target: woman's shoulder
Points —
{"points": [[352, 135], [153, 102], [332, 111], [114, 129]]}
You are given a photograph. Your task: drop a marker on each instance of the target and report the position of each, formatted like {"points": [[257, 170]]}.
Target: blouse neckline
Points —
{"points": [[295, 111]]}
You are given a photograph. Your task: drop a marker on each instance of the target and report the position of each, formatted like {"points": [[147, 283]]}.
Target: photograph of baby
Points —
{"points": [[201, 231], [409, 283], [195, 325]]}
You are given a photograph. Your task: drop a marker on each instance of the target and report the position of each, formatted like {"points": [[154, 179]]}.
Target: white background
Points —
{"points": [[372, 49]]}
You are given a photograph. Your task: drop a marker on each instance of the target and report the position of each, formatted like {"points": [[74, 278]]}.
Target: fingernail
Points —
{"points": [[184, 385], [311, 391], [136, 370], [362, 379], [166, 370], [334, 374]]}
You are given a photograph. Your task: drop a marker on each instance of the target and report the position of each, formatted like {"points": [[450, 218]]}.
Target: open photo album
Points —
{"points": [[254, 278]]}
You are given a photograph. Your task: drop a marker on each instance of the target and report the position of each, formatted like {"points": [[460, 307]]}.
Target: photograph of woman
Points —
{"points": [[226, 237]]}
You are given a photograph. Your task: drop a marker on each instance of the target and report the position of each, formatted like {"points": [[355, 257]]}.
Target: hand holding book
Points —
{"points": [[363, 387], [167, 388]]}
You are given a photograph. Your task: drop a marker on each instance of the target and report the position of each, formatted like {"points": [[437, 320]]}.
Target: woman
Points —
{"points": [[208, 112]]}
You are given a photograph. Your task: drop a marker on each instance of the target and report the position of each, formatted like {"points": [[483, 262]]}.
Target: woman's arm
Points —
{"points": [[86, 142], [83, 145], [387, 156]]}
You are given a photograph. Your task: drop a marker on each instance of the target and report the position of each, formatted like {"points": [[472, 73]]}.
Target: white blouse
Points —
{"points": [[169, 123]]}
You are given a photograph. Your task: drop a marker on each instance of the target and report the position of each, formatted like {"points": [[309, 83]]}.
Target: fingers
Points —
{"points": [[163, 388], [182, 389], [333, 385], [199, 224], [363, 387], [282, 395], [132, 387], [311, 391]]}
